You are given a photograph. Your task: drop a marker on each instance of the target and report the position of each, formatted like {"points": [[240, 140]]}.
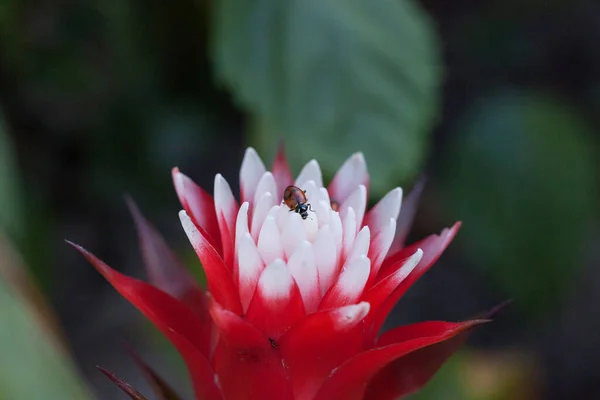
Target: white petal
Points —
{"points": [[351, 281], [407, 267], [348, 316], [281, 216], [380, 245], [266, 185], [388, 207], [321, 210], [358, 202], [226, 209], [274, 211], [261, 209], [303, 268], [276, 282], [310, 172], [241, 228], [325, 196], [351, 174], [336, 228], [190, 229], [250, 268], [311, 191], [292, 234], [224, 201], [325, 257], [241, 223], [269, 242], [251, 171], [360, 247], [349, 231]]}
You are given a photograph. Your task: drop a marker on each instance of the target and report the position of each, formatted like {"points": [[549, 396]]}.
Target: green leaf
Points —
{"points": [[10, 195], [333, 77], [32, 367], [445, 384], [520, 174]]}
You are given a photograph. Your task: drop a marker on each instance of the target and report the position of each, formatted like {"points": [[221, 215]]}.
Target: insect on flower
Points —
{"points": [[295, 199], [293, 310], [335, 206]]}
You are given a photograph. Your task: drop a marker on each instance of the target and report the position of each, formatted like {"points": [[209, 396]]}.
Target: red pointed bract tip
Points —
{"points": [[297, 290]]}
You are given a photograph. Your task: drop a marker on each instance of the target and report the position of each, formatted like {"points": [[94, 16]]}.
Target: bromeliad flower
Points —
{"points": [[297, 291]]}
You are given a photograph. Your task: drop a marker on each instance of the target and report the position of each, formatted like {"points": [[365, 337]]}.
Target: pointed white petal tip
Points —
{"points": [[417, 256], [189, 227], [409, 265], [250, 152], [394, 202], [359, 158], [179, 181], [241, 223], [322, 211], [183, 215], [252, 162], [349, 315], [177, 176], [276, 281], [361, 244], [269, 241], [311, 171], [324, 195], [261, 210], [248, 253], [396, 194], [220, 184], [266, 184], [358, 202]]}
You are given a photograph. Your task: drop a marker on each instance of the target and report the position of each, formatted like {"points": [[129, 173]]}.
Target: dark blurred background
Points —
{"points": [[496, 103]]}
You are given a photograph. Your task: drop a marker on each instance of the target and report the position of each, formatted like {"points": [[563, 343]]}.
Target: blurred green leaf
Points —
{"points": [[10, 196], [520, 173], [24, 218], [333, 77], [483, 375], [445, 384], [32, 367]]}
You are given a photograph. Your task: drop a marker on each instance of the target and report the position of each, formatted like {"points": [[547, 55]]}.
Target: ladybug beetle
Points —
{"points": [[335, 206], [295, 199]]}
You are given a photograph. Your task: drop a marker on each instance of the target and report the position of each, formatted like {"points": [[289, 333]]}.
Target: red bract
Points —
{"points": [[294, 305]]}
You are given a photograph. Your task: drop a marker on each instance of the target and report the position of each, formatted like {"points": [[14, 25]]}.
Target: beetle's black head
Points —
{"points": [[302, 209]]}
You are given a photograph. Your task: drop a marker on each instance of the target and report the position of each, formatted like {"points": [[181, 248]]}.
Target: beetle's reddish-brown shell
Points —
{"points": [[293, 196]]}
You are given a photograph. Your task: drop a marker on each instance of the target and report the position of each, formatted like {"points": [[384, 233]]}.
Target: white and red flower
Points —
{"points": [[294, 307]]}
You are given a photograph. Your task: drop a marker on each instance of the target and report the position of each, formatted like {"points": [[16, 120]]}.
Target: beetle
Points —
{"points": [[295, 199], [335, 206]]}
